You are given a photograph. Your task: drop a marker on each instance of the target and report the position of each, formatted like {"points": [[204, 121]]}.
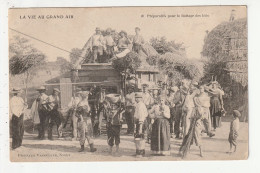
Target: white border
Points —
{"points": [[250, 165]]}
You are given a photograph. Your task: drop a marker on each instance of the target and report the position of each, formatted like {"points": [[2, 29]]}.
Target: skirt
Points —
{"points": [[160, 138]]}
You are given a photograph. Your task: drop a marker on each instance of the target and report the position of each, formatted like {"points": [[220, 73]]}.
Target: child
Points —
{"points": [[233, 134], [114, 123]]}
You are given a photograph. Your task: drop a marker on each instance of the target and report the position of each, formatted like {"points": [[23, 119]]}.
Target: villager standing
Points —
{"points": [[114, 122], [140, 116], [84, 123], [234, 131], [130, 110], [138, 40], [123, 42], [202, 103], [97, 45], [170, 103], [160, 139], [109, 42], [216, 105], [73, 104], [93, 103], [43, 111], [55, 116], [17, 107], [101, 109]]}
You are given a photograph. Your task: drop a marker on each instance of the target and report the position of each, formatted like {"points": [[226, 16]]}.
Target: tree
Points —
{"points": [[65, 66], [24, 59]]}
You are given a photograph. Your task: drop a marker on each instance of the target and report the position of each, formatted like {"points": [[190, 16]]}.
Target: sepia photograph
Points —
{"points": [[128, 84]]}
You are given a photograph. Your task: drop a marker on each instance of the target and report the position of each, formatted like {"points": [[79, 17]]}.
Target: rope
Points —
{"points": [[45, 42]]}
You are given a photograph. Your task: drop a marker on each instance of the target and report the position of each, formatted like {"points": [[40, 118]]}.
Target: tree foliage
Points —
{"points": [[23, 56], [128, 63]]}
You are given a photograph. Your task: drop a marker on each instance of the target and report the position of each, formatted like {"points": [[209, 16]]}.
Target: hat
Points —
{"points": [[84, 93], [195, 83], [97, 29], [123, 33], [174, 89], [109, 30], [16, 90], [138, 95], [236, 113], [41, 88], [145, 85], [56, 89]]}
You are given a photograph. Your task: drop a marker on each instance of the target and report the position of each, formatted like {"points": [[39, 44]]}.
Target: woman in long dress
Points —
{"points": [[216, 105], [160, 138]]}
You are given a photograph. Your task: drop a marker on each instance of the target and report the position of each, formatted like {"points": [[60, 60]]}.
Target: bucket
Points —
{"points": [[139, 143]]}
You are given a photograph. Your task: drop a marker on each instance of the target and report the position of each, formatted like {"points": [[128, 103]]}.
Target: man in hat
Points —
{"points": [[140, 116], [43, 111], [123, 42], [84, 123], [97, 45], [148, 101], [138, 40], [17, 107], [55, 116], [109, 42], [188, 107], [130, 109], [171, 105], [73, 104], [100, 112]]}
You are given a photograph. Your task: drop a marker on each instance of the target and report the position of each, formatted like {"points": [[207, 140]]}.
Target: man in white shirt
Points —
{"points": [[72, 112], [140, 115], [43, 111], [17, 107], [138, 40], [97, 45]]}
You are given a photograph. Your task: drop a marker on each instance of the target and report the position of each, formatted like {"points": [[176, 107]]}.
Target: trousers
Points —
{"points": [[17, 131], [113, 134], [85, 131], [55, 118], [129, 116], [43, 115]]}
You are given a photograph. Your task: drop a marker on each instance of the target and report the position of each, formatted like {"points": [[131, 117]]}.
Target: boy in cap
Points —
{"points": [[17, 107], [140, 115], [233, 134]]}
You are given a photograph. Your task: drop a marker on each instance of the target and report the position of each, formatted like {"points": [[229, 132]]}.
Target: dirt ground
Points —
{"points": [[60, 150]]}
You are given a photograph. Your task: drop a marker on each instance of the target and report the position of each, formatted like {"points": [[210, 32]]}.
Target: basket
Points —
{"points": [[114, 98]]}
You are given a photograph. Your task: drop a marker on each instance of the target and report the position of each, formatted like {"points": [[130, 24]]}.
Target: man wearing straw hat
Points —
{"points": [[43, 111], [55, 116], [97, 45], [17, 107], [130, 109]]}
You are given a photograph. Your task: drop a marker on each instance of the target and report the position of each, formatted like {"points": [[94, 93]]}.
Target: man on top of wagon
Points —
{"points": [[138, 40]]}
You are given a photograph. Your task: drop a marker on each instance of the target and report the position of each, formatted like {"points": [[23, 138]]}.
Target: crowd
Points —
{"points": [[103, 48], [153, 116]]}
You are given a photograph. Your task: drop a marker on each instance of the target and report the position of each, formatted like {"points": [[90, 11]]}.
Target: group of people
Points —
{"points": [[103, 48], [155, 117]]}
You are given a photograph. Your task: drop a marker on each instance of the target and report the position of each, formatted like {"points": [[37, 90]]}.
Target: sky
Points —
{"points": [[69, 32]]}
